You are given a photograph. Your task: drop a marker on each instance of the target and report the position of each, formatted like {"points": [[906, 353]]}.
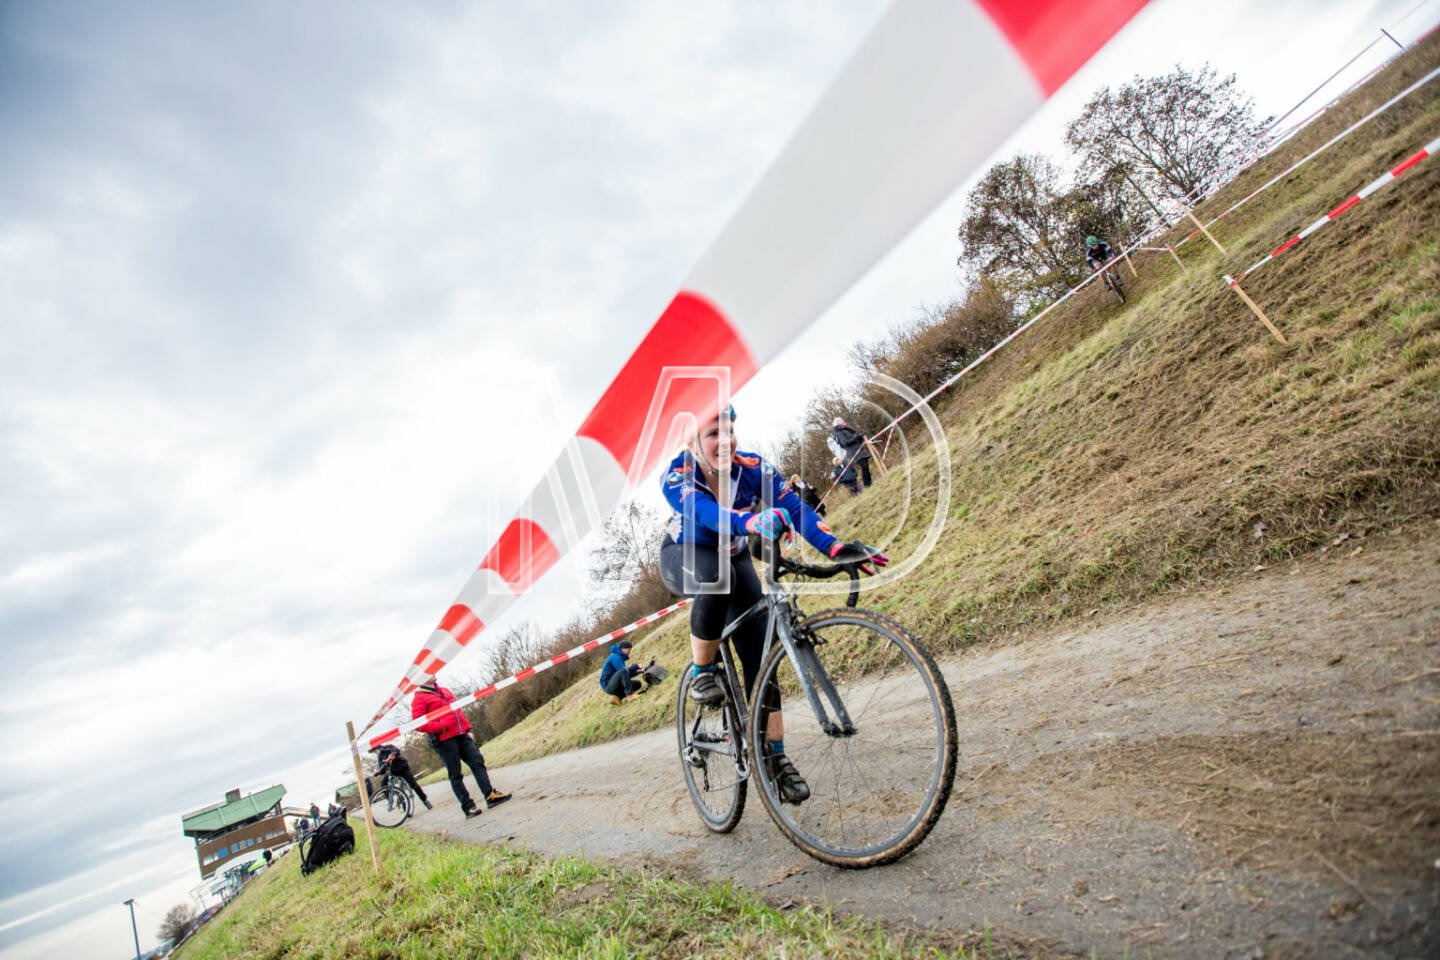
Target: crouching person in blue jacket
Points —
{"points": [[619, 677]]}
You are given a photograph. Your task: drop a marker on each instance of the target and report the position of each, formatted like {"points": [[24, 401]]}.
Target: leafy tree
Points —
{"points": [[1176, 132], [176, 921], [1109, 205], [1020, 229]]}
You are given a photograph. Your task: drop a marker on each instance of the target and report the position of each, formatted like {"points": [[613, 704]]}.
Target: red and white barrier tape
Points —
{"points": [[856, 176], [1326, 146], [498, 685], [1374, 185]]}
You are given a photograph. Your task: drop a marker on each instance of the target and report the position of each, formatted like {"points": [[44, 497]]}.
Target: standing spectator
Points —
{"points": [[314, 813], [387, 757], [617, 676], [854, 446], [450, 736], [302, 828], [808, 495], [845, 476]]}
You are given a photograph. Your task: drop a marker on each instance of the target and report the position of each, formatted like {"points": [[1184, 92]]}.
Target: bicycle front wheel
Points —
{"points": [[878, 757], [1117, 286], [389, 807], [712, 758]]}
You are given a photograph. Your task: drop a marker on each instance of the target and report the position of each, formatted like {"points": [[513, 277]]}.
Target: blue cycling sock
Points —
{"points": [[777, 747], [700, 668]]}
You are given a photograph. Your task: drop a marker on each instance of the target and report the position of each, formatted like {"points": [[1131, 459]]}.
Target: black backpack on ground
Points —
{"points": [[329, 841]]}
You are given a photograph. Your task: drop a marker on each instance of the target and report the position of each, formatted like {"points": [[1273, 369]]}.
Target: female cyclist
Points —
{"points": [[708, 473]]}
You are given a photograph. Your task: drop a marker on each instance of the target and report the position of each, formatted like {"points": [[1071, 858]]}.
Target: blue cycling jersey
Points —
{"points": [[698, 517]]}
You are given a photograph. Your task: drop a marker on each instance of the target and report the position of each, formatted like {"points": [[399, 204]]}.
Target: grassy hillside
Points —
{"points": [[446, 899], [1113, 453]]}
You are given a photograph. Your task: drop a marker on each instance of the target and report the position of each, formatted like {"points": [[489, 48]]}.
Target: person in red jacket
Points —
{"points": [[450, 736]]}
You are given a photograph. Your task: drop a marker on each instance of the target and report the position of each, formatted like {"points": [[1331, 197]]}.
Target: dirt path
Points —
{"points": [[1244, 771]]}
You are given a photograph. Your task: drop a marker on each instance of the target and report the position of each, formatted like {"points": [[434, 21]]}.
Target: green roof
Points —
{"points": [[221, 815]]}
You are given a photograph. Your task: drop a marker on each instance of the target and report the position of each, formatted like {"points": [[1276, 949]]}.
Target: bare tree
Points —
{"points": [[629, 549], [1019, 229], [1175, 132], [518, 648], [176, 922]]}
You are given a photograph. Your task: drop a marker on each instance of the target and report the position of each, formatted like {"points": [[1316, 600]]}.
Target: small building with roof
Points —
{"points": [[238, 826]]}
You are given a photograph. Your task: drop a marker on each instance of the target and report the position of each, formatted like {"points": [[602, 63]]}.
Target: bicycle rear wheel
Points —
{"points": [[711, 756], [879, 784], [389, 806]]}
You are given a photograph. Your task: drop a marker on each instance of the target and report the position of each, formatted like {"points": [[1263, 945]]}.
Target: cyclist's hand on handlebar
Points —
{"points": [[866, 558], [769, 524]]}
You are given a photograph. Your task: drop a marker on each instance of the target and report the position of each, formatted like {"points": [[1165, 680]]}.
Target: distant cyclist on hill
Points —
{"points": [[708, 473]]}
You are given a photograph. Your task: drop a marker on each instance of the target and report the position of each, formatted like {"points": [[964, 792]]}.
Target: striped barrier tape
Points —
{"points": [[856, 176], [510, 681], [1321, 149], [1374, 185]]}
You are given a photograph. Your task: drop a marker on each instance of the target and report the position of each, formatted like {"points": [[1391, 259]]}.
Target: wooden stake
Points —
{"points": [[1258, 312], [875, 456], [1191, 214], [1178, 260], [364, 797], [1133, 271]]}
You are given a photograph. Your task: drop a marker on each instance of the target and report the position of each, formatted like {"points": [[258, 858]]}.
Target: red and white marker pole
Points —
{"points": [[1383, 180]]}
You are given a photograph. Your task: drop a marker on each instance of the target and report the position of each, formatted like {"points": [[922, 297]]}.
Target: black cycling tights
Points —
{"points": [[711, 612]]}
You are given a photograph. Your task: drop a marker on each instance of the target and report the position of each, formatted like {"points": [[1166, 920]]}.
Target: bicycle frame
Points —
{"points": [[778, 605]]}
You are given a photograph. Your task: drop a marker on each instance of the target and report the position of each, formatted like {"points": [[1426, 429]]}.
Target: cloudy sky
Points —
{"points": [[277, 285]]}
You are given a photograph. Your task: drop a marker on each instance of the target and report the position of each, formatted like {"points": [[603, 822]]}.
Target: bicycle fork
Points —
{"points": [[814, 681]]}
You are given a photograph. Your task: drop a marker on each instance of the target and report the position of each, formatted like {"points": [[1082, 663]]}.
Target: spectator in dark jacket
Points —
{"points": [[845, 476], [387, 757], [618, 675], [808, 495], [452, 741], [854, 446]]}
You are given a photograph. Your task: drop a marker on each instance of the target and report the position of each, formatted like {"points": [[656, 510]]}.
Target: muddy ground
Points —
{"points": [[1246, 770]]}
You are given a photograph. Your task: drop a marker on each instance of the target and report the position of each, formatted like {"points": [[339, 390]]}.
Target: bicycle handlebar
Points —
{"points": [[779, 566]]}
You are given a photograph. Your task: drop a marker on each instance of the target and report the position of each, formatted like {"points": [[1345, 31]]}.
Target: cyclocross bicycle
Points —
{"points": [[391, 804], [868, 722], [1111, 279]]}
